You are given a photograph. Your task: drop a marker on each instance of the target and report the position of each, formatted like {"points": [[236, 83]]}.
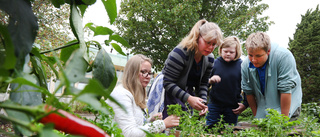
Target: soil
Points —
{"points": [[5, 127]]}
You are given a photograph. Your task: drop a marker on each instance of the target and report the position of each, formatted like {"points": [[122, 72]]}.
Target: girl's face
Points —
{"points": [[228, 53], [206, 47], [145, 73]]}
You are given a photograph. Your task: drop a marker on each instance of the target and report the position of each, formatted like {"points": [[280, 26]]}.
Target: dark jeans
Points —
{"points": [[296, 114], [216, 110]]}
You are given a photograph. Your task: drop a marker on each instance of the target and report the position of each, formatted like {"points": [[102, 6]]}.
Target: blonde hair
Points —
{"points": [[259, 40], [208, 30], [131, 81], [229, 42]]}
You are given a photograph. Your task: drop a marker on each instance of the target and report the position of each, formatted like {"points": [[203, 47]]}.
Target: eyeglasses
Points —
{"points": [[209, 43], [146, 73]]}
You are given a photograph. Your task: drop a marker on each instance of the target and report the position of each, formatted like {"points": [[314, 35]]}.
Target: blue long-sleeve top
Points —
{"points": [[227, 92]]}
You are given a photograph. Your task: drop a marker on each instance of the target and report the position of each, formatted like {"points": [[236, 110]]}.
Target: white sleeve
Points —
{"points": [[126, 120]]}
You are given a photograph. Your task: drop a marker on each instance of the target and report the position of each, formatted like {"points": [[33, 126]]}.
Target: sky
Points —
{"points": [[286, 14]]}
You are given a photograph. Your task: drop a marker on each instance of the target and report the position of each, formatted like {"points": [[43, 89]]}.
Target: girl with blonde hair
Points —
{"points": [[225, 95], [131, 94]]}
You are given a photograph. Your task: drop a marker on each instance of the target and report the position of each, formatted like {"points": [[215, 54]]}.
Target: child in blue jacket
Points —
{"points": [[225, 95]]}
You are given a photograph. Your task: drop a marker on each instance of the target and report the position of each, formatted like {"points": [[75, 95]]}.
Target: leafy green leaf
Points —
{"points": [[57, 3], [9, 56], [93, 42], [100, 30], [89, 2], [39, 71], [113, 84], [31, 83], [66, 52], [82, 9], [76, 26], [25, 95], [111, 8], [22, 28], [92, 100], [94, 87], [118, 49], [21, 117], [120, 40], [103, 69], [76, 67], [48, 131], [90, 26]]}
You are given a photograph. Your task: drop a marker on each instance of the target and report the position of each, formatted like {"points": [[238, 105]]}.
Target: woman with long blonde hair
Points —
{"points": [[188, 67], [132, 95]]}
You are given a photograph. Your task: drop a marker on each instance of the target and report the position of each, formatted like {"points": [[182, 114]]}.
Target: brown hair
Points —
{"points": [[131, 81], [229, 42], [208, 30], [259, 40]]}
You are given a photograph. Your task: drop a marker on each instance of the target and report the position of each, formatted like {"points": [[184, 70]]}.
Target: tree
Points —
{"points": [[54, 29], [154, 28], [305, 48]]}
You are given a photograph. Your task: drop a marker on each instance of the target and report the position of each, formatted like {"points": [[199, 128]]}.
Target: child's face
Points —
{"points": [[228, 53], [258, 57]]}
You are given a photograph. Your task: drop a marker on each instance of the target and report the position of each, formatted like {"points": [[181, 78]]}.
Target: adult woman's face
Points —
{"points": [[206, 47], [145, 73]]}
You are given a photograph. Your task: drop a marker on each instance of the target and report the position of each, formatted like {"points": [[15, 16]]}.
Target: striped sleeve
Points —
{"points": [[174, 66]]}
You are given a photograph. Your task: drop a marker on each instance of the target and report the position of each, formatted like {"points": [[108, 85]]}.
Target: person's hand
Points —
{"points": [[171, 121], [203, 112], [239, 110], [157, 116], [214, 79], [196, 103]]}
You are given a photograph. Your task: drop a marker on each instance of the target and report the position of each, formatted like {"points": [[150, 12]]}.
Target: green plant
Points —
{"points": [[309, 119], [246, 115], [311, 109], [22, 68], [105, 121], [192, 124], [309, 126], [175, 109], [275, 124]]}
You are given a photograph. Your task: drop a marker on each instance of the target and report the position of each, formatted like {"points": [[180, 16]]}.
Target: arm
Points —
{"points": [[252, 103], [174, 66], [285, 102], [132, 123], [286, 80]]}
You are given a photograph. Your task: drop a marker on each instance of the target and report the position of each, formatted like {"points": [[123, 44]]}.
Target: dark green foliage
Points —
{"points": [[175, 110], [246, 115], [311, 109], [305, 46], [275, 124], [22, 28], [155, 27], [103, 120]]}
